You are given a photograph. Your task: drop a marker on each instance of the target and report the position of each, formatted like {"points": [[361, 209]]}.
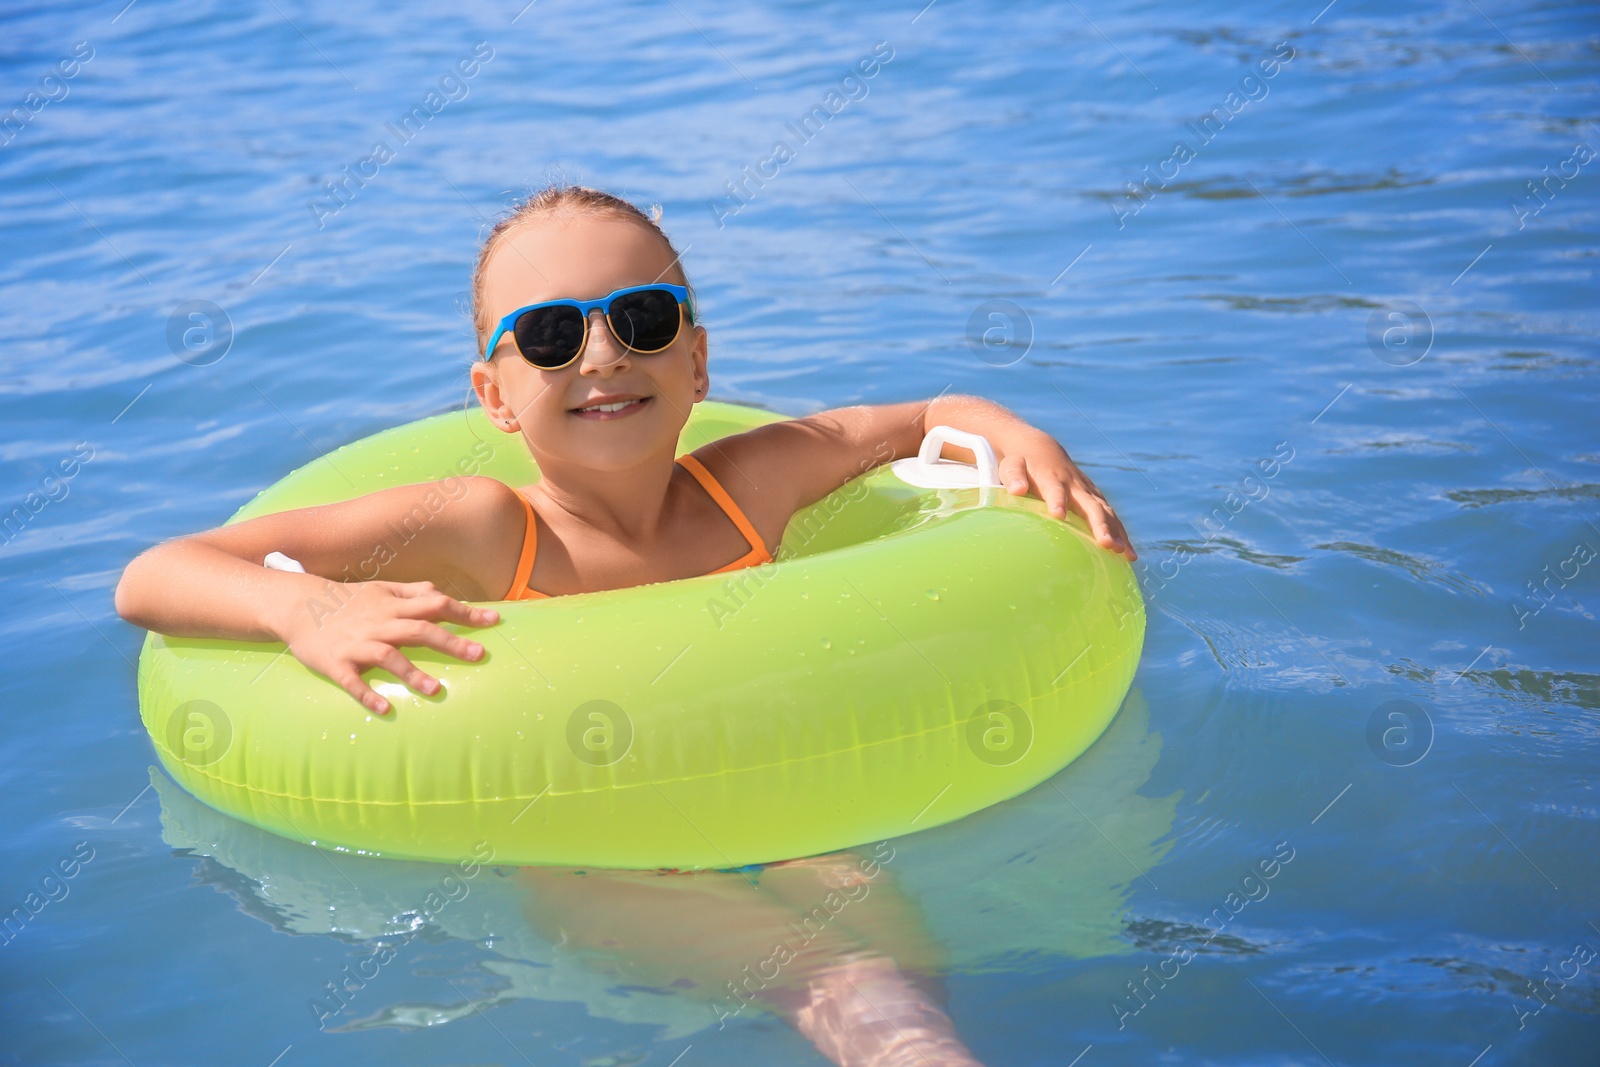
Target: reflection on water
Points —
{"points": [[851, 949]]}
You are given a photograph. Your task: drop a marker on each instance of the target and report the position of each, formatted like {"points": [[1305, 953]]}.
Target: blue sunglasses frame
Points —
{"points": [[585, 307]]}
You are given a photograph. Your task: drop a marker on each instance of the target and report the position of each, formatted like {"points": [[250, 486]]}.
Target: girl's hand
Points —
{"points": [[1038, 458], [367, 625]]}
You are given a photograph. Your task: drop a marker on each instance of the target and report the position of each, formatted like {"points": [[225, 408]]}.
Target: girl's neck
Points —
{"points": [[628, 506]]}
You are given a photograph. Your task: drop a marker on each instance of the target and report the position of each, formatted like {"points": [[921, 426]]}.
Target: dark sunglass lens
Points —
{"points": [[549, 337], [646, 321]]}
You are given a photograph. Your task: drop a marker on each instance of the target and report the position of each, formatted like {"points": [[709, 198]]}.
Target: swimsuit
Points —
{"points": [[757, 555]]}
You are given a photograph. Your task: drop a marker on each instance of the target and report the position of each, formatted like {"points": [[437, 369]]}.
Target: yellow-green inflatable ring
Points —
{"points": [[912, 656]]}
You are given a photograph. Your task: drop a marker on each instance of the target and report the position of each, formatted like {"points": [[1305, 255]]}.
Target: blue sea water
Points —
{"points": [[1308, 290]]}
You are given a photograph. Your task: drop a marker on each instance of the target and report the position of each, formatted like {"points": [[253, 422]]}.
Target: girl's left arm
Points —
{"points": [[818, 453]]}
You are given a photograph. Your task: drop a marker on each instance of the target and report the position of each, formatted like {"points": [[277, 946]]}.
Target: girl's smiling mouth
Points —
{"points": [[611, 407]]}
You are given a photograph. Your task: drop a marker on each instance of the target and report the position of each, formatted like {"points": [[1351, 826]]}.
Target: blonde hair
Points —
{"points": [[552, 199]]}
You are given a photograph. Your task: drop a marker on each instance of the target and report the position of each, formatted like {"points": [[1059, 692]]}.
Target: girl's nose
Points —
{"points": [[602, 350]]}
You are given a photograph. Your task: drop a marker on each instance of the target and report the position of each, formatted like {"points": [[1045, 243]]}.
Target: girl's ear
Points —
{"points": [[486, 383], [699, 352]]}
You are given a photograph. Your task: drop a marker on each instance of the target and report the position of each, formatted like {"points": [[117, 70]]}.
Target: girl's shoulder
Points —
{"points": [[450, 504], [459, 497], [481, 530], [462, 533], [748, 467], [772, 471]]}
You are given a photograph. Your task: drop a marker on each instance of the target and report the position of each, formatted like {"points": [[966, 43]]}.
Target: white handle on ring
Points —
{"points": [[928, 471], [277, 561]]}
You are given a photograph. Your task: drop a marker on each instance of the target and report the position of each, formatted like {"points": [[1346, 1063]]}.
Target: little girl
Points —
{"points": [[590, 349]]}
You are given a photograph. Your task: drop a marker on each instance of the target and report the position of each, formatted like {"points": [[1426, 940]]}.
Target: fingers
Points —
{"points": [[1101, 522], [1120, 533], [412, 589], [395, 662], [1088, 504], [419, 633], [424, 601], [1071, 489], [1013, 474], [351, 682], [1052, 489], [1104, 524], [393, 615], [386, 654], [390, 659]]}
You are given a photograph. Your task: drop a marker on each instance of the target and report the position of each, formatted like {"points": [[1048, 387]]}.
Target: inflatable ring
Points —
{"points": [[913, 655]]}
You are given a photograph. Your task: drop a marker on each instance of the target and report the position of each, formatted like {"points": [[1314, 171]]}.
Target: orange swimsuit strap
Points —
{"points": [[530, 547], [758, 549], [758, 553]]}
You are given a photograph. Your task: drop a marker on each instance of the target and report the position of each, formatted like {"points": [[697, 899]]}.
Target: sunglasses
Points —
{"points": [[643, 318]]}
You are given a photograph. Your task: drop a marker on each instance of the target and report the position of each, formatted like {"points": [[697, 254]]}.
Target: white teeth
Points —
{"points": [[618, 406]]}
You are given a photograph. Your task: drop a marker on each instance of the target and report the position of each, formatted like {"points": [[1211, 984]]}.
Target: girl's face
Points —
{"points": [[584, 257]]}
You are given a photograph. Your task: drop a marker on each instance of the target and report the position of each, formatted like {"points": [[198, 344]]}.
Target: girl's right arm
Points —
{"points": [[337, 618]]}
